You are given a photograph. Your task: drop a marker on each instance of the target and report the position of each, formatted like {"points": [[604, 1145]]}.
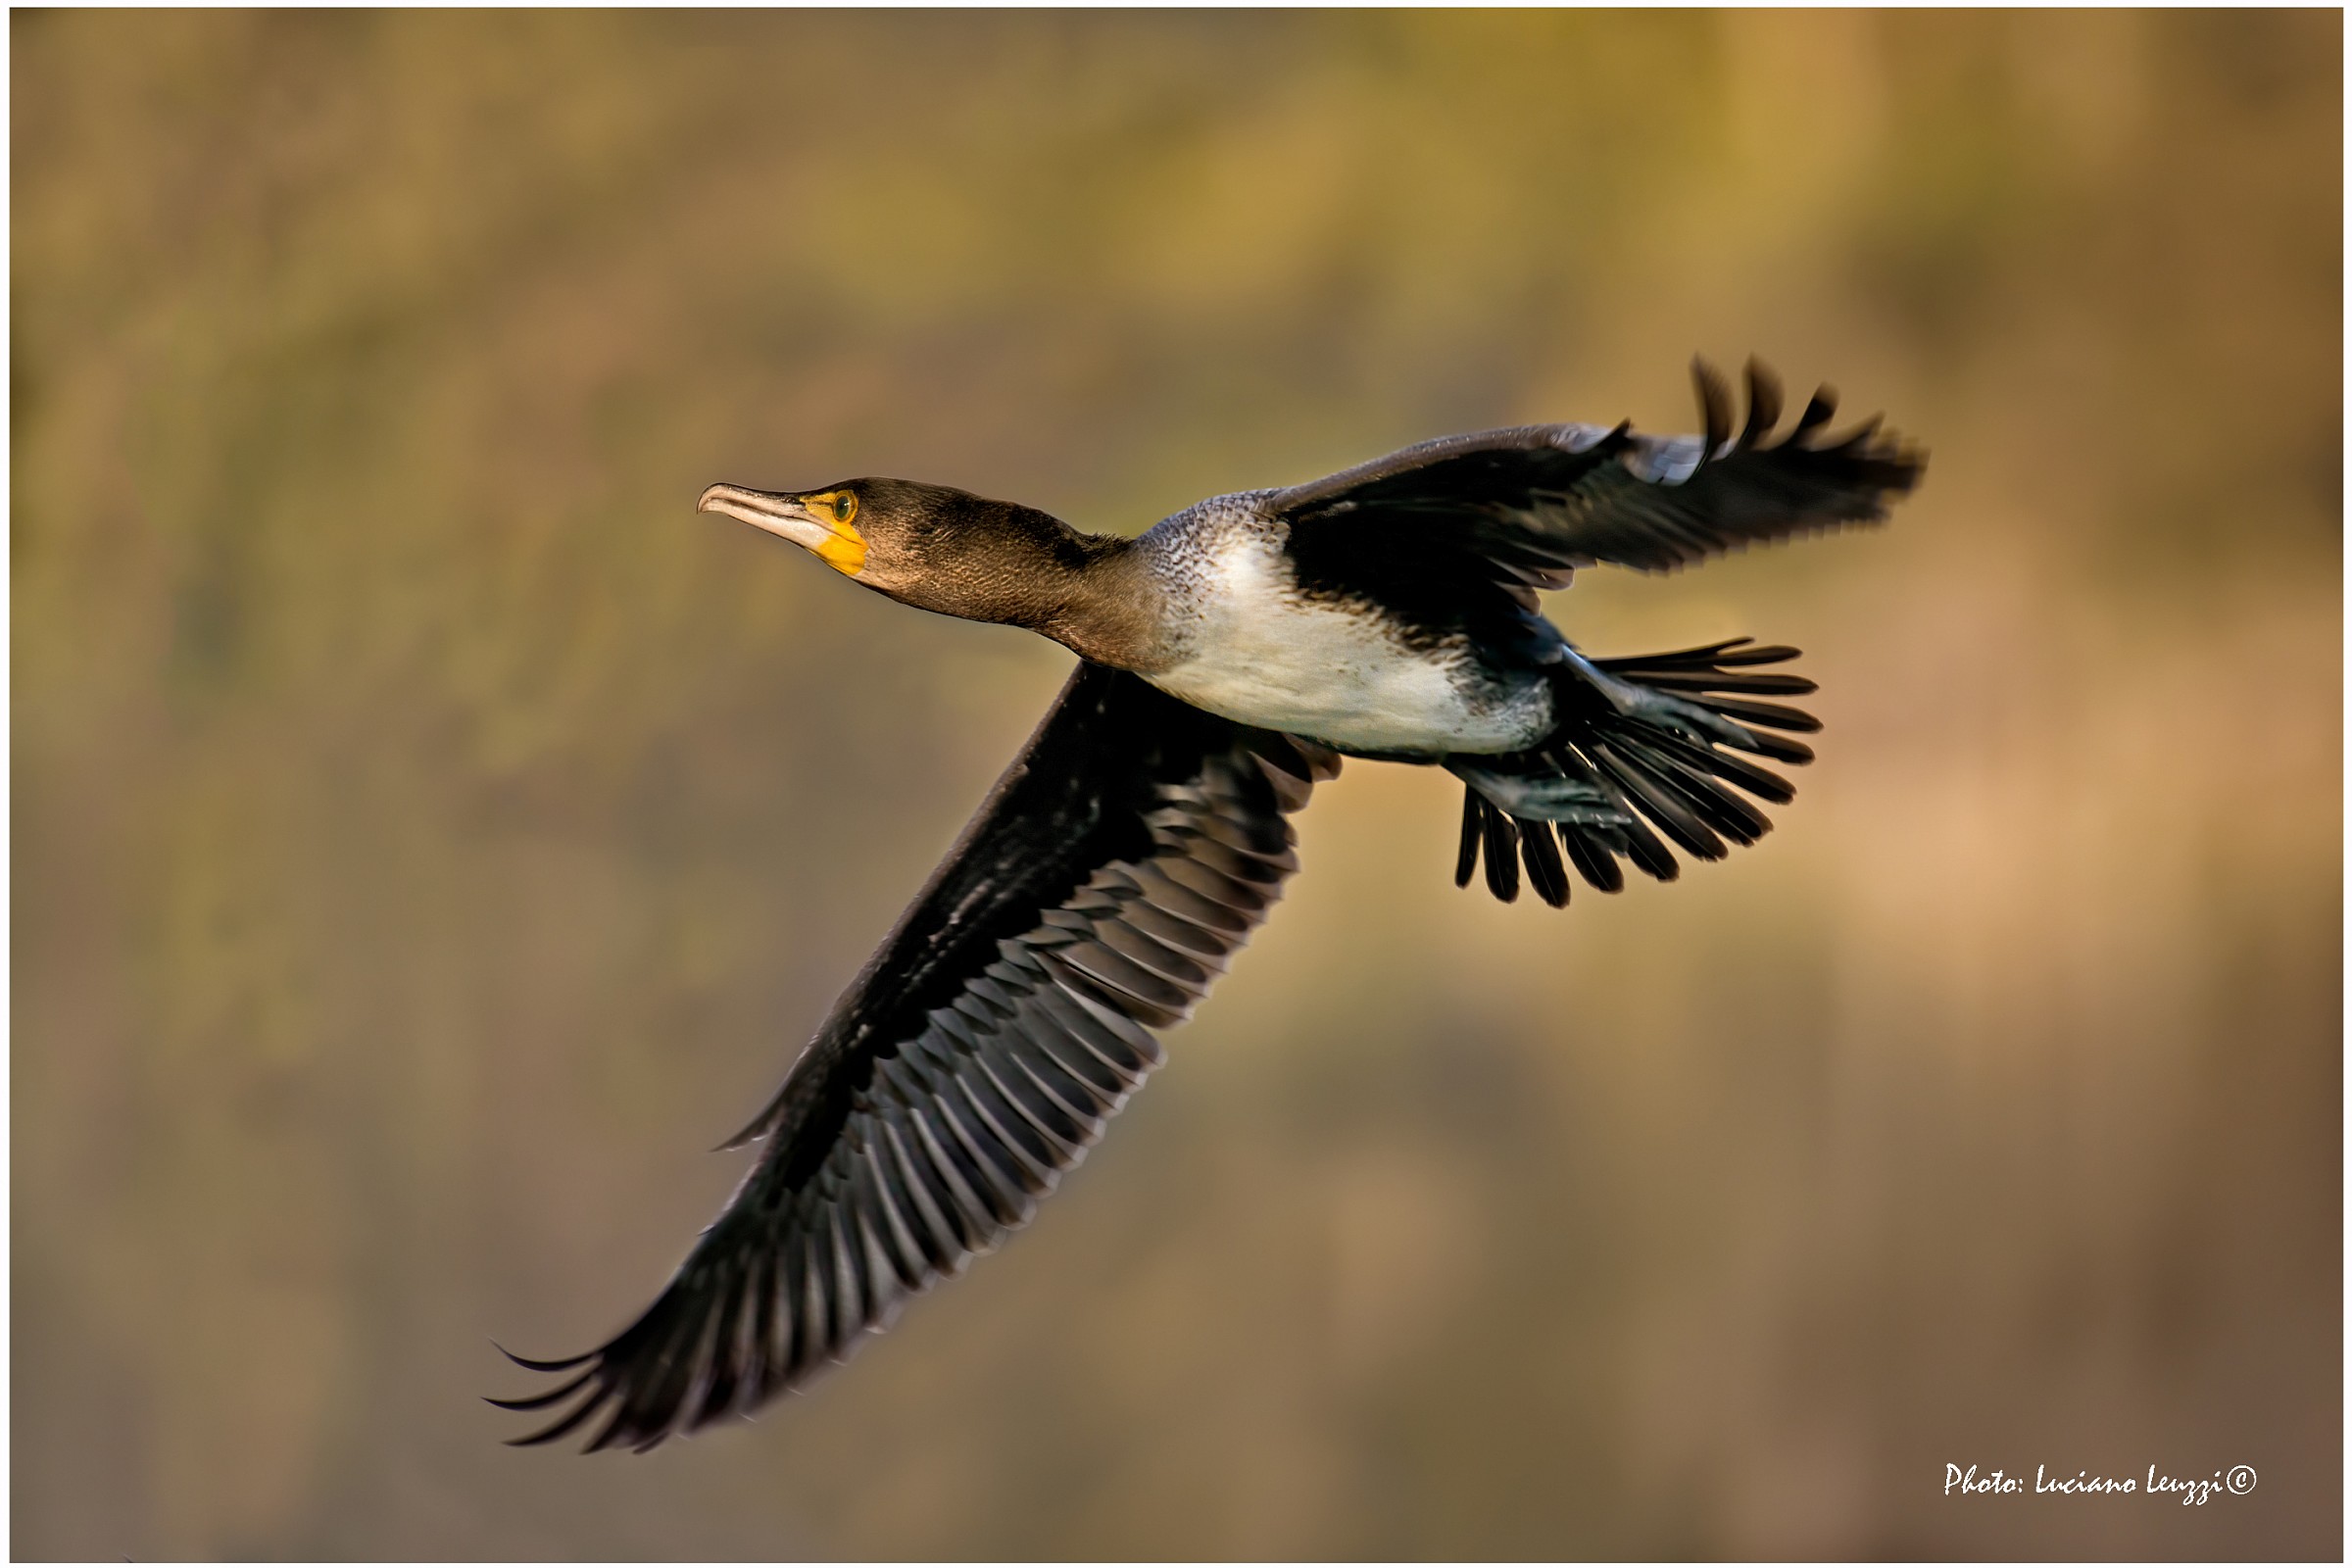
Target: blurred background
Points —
{"points": [[430, 836]]}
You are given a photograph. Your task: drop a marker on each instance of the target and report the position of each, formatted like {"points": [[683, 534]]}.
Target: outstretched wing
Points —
{"points": [[1535, 503], [1122, 858]]}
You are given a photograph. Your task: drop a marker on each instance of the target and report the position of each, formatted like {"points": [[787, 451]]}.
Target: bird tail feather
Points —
{"points": [[1644, 752]]}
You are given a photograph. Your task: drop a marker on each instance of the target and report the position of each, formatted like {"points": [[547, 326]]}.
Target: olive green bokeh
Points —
{"points": [[430, 834]]}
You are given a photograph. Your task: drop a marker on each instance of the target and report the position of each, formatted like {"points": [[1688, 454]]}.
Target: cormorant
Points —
{"points": [[1228, 659]]}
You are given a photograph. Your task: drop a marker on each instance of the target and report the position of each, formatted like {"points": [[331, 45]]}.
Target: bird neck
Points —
{"points": [[1098, 601], [1017, 566]]}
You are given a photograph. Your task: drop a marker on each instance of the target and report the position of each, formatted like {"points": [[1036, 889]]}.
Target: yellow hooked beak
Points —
{"points": [[818, 523]]}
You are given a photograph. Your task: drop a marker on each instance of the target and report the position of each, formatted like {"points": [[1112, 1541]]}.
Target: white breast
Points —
{"points": [[1255, 652]]}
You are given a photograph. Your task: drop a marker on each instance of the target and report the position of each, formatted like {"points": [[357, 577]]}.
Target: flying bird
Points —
{"points": [[1229, 658]]}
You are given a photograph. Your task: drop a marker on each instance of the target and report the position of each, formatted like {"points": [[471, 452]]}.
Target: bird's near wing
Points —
{"points": [[1537, 502], [1122, 858]]}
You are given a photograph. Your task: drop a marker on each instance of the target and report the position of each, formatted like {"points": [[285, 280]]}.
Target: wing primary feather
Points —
{"points": [[1101, 1027], [997, 1176], [1033, 1156], [1070, 1091], [760, 1337], [540, 1401], [850, 1306], [715, 1388], [1052, 1138], [649, 1402], [1715, 406], [562, 1426], [905, 1253], [886, 1292], [1102, 1083], [1820, 408], [812, 1322], [1124, 988], [1763, 404], [528, 1366], [966, 1203], [929, 1197]]}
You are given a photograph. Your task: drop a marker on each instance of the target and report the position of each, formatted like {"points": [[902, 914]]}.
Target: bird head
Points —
{"points": [[923, 544]]}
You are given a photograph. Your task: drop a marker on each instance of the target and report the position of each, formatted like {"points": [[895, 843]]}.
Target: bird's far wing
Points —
{"points": [[1539, 501], [1096, 894]]}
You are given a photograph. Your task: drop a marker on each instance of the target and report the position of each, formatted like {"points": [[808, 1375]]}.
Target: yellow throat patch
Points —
{"points": [[845, 551]]}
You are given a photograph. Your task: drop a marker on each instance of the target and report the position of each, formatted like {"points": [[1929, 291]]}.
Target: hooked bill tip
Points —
{"points": [[715, 498]]}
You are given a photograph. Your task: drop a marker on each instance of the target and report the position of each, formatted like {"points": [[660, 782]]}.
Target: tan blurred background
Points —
{"points": [[432, 836]]}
